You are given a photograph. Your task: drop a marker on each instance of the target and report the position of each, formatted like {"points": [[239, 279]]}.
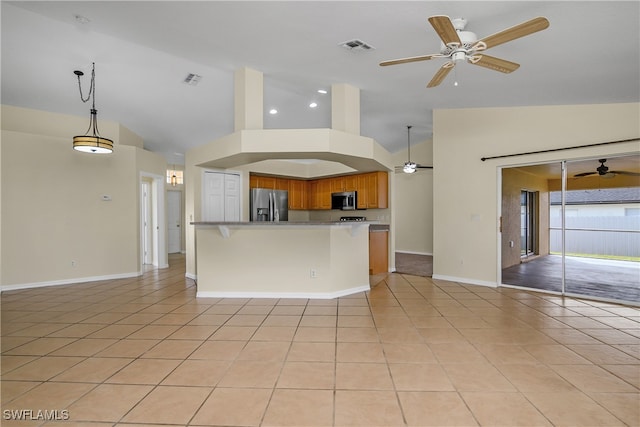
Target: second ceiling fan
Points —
{"points": [[459, 45], [409, 166]]}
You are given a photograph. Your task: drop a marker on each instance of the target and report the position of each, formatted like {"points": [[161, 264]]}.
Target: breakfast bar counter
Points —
{"points": [[282, 259]]}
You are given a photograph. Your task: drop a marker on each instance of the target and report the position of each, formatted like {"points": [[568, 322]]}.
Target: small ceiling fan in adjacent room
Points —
{"points": [[459, 45], [409, 166], [604, 171]]}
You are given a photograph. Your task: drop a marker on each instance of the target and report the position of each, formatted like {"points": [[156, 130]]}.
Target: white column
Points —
{"points": [[345, 108], [249, 92]]}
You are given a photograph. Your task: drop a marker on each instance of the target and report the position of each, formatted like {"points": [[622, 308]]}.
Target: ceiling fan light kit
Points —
{"points": [[458, 45]]}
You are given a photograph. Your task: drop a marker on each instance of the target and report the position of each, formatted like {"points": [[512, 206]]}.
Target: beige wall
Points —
{"points": [[55, 226], [466, 189], [413, 202]]}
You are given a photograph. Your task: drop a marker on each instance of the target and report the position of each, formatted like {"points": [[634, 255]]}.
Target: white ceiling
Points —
{"points": [[143, 50]]}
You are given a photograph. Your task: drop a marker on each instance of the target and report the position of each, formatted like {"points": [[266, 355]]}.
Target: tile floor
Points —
{"points": [[411, 352]]}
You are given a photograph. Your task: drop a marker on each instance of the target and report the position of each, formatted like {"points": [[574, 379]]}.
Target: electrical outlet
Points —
{"points": [[73, 263], [313, 273]]}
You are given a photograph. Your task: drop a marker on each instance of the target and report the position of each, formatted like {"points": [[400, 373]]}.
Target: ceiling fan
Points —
{"points": [[409, 166], [604, 171], [459, 45]]}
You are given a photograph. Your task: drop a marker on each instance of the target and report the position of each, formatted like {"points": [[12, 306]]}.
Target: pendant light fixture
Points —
{"points": [[174, 178], [91, 143]]}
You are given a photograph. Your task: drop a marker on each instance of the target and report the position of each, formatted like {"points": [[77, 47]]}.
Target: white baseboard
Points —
{"points": [[414, 253], [191, 276], [465, 280], [310, 295], [69, 281]]}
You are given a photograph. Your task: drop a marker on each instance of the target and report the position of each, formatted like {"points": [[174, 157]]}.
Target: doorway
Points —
{"points": [[153, 251], [574, 227]]}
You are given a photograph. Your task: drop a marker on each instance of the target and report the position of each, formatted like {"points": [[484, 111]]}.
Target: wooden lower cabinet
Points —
{"points": [[378, 252]]}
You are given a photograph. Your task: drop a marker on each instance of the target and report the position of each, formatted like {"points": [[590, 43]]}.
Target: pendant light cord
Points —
{"points": [[91, 86]]}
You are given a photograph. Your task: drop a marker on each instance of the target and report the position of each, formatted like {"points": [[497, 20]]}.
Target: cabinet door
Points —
{"points": [[268, 182], [378, 252], [298, 194], [363, 191], [312, 195], [351, 183], [337, 184], [372, 190], [324, 194], [281, 184], [382, 190]]}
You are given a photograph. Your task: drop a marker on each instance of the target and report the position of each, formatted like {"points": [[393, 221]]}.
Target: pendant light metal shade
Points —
{"points": [[91, 141], [92, 144]]}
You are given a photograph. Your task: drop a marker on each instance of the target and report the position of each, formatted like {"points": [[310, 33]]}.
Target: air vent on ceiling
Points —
{"points": [[356, 44], [192, 79]]}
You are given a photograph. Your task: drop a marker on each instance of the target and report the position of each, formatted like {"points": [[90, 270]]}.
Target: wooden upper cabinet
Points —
{"points": [[337, 184], [269, 182], [373, 190], [320, 194], [344, 183], [298, 194], [282, 184], [351, 183]]}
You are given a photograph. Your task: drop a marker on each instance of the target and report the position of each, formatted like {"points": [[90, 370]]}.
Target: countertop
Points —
{"points": [[285, 223]]}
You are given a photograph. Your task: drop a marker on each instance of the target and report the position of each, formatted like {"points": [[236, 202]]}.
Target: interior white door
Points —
{"points": [[174, 221], [232, 197], [221, 197], [213, 203]]}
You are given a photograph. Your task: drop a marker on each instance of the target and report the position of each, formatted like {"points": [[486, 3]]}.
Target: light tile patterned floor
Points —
{"points": [[411, 352]]}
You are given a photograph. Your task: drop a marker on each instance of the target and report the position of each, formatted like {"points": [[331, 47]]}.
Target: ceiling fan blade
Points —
{"points": [[625, 173], [580, 175], [424, 167], [493, 63], [529, 27], [441, 74], [447, 33], [410, 59]]}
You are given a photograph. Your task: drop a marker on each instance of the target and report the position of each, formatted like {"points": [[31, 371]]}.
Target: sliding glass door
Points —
{"points": [[577, 227]]}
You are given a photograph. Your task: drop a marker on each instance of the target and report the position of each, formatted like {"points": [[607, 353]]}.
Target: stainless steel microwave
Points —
{"points": [[346, 201]]}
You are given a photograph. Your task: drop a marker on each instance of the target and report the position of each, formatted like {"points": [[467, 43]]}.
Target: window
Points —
{"points": [[178, 177]]}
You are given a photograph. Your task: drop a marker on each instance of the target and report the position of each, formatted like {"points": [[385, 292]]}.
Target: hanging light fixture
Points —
{"points": [[174, 178], [409, 166], [91, 143]]}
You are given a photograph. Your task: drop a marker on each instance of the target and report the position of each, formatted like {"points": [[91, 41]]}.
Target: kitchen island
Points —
{"points": [[282, 259]]}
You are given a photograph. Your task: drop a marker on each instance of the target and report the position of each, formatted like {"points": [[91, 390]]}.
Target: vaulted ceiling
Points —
{"points": [[144, 50]]}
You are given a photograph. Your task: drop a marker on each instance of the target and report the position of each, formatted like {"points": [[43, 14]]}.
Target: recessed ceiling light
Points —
{"points": [[322, 91], [273, 111], [313, 105]]}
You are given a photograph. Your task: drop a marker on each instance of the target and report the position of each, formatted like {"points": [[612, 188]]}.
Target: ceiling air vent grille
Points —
{"points": [[192, 79], [356, 44]]}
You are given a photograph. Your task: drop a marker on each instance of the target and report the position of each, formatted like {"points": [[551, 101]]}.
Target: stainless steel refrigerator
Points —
{"points": [[269, 205]]}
